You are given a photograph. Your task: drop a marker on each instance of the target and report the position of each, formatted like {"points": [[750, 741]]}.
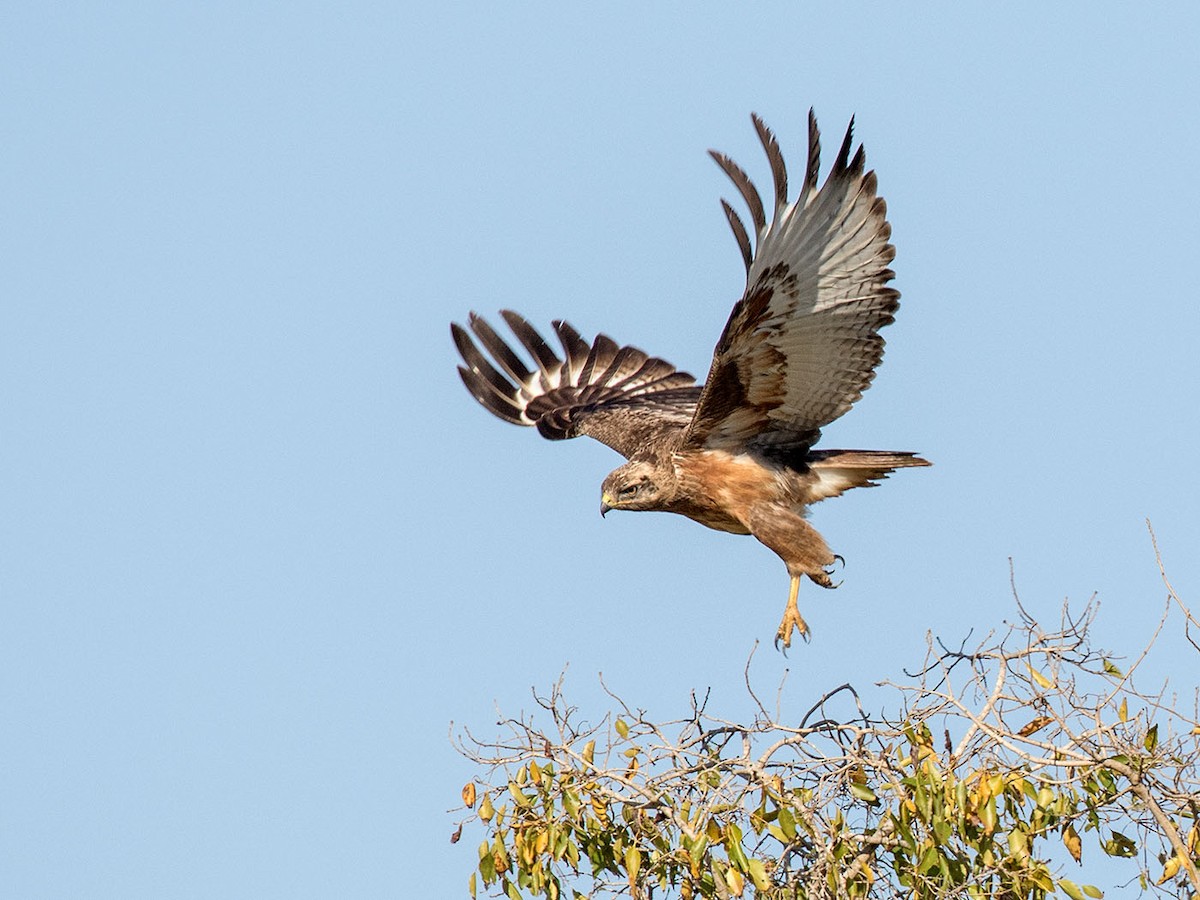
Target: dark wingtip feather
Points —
{"points": [[575, 348], [546, 359], [843, 157], [489, 398], [745, 187], [739, 233], [500, 351], [775, 157], [813, 168]]}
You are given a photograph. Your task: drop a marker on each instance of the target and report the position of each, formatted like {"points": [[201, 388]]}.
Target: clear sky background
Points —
{"points": [[258, 547]]}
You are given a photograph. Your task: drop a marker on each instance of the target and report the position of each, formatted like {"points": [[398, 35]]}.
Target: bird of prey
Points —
{"points": [[800, 347]]}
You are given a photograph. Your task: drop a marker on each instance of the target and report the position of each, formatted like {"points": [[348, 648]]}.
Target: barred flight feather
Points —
{"points": [[804, 340], [590, 390]]}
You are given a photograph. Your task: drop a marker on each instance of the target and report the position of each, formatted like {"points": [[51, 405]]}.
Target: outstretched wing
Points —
{"points": [[618, 395], [802, 344]]}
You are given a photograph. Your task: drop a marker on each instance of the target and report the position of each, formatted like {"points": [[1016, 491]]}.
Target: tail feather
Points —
{"points": [[837, 471]]}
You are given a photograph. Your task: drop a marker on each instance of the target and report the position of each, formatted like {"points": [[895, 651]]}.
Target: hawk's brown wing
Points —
{"points": [[620, 396], [802, 344]]}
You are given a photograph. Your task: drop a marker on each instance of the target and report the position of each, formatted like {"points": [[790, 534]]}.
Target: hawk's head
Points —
{"points": [[639, 484]]}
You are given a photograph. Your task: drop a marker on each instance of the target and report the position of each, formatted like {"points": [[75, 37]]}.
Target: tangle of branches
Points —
{"points": [[1028, 746]]}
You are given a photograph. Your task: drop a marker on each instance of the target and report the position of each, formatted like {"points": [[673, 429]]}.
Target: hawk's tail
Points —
{"points": [[866, 459], [838, 471]]}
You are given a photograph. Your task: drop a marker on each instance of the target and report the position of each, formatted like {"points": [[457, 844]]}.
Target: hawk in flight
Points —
{"points": [[800, 347]]}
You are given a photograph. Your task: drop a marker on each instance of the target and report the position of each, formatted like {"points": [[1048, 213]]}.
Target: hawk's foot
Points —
{"points": [[792, 620]]}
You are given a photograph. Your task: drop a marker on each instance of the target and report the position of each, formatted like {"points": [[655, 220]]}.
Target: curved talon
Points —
{"points": [[823, 580]]}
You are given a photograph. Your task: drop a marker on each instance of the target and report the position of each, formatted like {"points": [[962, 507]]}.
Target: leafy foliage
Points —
{"points": [[1025, 744]]}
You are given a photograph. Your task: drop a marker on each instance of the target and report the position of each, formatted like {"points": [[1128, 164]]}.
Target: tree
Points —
{"points": [[1025, 747]]}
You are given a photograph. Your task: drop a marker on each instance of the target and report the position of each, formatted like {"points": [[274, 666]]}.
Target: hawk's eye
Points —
{"points": [[628, 491]]}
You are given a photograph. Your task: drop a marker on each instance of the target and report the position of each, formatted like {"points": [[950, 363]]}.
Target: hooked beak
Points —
{"points": [[604, 507]]}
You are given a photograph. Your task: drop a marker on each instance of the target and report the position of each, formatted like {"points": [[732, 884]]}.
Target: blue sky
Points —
{"points": [[261, 548]]}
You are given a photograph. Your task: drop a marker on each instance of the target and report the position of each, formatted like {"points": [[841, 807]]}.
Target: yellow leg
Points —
{"points": [[792, 620]]}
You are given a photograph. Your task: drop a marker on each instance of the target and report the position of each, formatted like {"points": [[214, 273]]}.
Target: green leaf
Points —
{"points": [[1112, 669], [570, 803], [1092, 891], [929, 859], [864, 793], [1018, 844], [758, 874], [1151, 740], [1119, 845], [633, 863], [733, 846], [787, 822], [1070, 888], [622, 728], [487, 868], [519, 796]]}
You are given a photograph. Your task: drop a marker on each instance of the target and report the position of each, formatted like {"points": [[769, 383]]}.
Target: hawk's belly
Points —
{"points": [[719, 489]]}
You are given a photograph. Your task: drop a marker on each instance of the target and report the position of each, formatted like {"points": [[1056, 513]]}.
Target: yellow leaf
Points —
{"points": [[468, 794], [1170, 869], [486, 810], [535, 771], [1044, 682], [622, 728], [735, 881], [471, 885], [1070, 888], [1123, 710], [589, 752], [1035, 725], [1072, 842]]}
